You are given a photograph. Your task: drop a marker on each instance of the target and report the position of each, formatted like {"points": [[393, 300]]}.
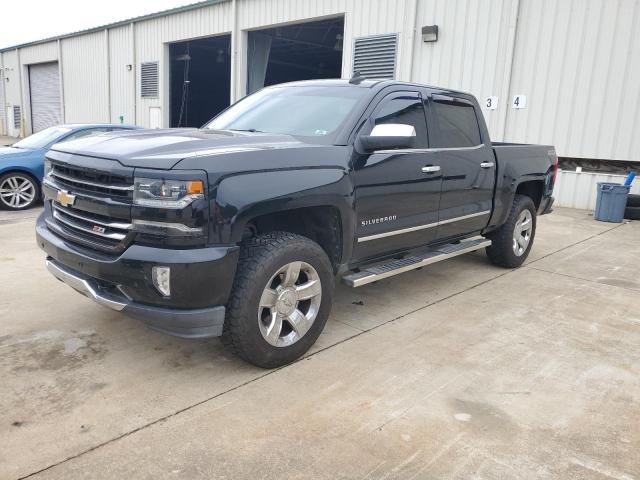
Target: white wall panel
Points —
{"points": [[3, 106], [472, 53], [85, 78], [579, 189], [578, 62], [40, 53], [11, 71], [122, 86]]}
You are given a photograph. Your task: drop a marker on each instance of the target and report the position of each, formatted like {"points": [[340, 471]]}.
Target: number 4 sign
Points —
{"points": [[491, 103], [519, 101]]}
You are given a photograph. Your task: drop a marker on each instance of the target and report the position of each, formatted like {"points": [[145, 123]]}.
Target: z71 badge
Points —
{"points": [[374, 221]]}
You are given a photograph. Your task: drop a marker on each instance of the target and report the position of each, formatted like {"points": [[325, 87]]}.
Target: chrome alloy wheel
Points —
{"points": [[17, 191], [289, 304], [522, 232]]}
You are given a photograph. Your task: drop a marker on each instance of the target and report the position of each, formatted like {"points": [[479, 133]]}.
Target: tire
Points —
{"points": [[633, 200], [504, 251], [18, 191], [632, 213], [264, 290]]}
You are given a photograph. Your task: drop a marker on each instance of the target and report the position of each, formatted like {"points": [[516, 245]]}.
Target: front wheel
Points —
{"points": [[18, 191], [280, 301], [512, 242]]}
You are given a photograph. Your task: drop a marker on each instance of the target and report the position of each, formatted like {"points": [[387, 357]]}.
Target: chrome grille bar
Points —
{"points": [[87, 182], [104, 223], [62, 219]]}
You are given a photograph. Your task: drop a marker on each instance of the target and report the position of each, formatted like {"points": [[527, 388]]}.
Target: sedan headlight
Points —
{"points": [[48, 167], [160, 193]]}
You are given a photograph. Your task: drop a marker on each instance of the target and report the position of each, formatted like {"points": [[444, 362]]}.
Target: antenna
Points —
{"points": [[356, 79]]}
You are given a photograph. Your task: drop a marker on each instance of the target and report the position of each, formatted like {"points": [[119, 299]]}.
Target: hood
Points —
{"points": [[165, 148], [10, 152]]}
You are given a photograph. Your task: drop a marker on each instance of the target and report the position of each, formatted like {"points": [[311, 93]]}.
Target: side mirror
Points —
{"points": [[388, 136]]}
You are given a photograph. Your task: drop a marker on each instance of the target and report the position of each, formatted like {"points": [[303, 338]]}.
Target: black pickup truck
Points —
{"points": [[240, 229]]}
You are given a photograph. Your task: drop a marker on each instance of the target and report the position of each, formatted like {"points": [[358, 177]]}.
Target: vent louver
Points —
{"points": [[375, 57], [16, 116], [149, 80]]}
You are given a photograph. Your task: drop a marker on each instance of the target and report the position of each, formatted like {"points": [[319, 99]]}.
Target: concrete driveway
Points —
{"points": [[460, 370]]}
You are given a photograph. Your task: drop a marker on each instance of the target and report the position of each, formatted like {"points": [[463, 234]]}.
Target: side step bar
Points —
{"points": [[394, 267]]}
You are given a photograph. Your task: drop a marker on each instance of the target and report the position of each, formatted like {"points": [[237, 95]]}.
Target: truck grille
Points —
{"points": [[90, 223], [100, 217], [91, 181]]}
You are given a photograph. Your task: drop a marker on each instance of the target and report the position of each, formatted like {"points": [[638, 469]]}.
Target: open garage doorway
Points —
{"points": [[200, 79], [301, 51]]}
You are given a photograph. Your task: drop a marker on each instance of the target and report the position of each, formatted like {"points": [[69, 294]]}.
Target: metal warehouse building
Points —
{"points": [[565, 72]]}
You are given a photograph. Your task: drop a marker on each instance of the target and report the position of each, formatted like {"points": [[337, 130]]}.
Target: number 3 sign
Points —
{"points": [[491, 103]]}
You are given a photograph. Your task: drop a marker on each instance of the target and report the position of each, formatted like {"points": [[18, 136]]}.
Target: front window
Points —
{"points": [[42, 138], [303, 111]]}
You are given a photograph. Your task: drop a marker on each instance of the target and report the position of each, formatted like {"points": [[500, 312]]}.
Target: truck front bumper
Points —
{"points": [[201, 281]]}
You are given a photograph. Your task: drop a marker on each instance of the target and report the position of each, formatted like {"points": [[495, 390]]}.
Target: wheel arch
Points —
{"points": [[531, 188], [302, 201]]}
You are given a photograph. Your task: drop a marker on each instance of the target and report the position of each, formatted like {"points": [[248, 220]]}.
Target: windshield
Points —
{"points": [[305, 111], [43, 138]]}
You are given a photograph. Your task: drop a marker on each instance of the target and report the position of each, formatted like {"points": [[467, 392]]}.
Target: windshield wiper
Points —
{"points": [[252, 130]]}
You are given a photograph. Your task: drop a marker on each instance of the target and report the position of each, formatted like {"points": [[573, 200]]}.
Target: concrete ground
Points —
{"points": [[460, 370]]}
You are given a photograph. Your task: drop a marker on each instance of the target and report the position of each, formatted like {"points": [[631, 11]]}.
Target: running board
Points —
{"points": [[394, 267]]}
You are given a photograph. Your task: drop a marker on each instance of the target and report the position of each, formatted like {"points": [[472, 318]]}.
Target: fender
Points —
{"points": [[243, 197], [506, 186]]}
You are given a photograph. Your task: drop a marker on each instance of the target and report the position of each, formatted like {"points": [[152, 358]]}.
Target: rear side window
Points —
{"points": [[457, 124], [407, 109]]}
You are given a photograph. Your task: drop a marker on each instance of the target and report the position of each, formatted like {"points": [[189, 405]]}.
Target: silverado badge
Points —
{"points": [[65, 198]]}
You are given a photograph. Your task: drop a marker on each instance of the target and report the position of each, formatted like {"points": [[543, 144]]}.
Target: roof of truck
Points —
{"points": [[378, 84]]}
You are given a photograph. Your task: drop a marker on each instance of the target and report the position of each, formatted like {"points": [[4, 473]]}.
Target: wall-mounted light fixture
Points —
{"points": [[430, 33], [129, 67]]}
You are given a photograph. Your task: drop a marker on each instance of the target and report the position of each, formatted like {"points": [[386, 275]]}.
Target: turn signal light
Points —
{"points": [[195, 187]]}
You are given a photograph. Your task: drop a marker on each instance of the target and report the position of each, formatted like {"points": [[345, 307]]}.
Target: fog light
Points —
{"points": [[162, 279]]}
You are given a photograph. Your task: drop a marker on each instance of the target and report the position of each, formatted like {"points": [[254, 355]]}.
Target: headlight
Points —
{"points": [[158, 193], [47, 168]]}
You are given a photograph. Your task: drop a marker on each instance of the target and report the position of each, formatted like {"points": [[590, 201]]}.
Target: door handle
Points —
{"points": [[487, 164], [431, 169]]}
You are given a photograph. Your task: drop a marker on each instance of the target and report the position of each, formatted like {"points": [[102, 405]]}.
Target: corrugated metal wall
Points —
{"points": [[12, 75], [85, 78], [3, 106], [577, 61], [473, 51], [579, 190], [122, 80]]}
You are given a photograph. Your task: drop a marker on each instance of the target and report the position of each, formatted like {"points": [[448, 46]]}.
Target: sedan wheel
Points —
{"points": [[17, 191]]}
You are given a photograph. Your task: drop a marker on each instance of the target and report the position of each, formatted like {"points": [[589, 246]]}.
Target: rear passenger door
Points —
{"points": [[467, 163]]}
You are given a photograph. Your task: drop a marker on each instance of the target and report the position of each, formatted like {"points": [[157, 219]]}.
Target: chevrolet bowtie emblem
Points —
{"points": [[65, 198]]}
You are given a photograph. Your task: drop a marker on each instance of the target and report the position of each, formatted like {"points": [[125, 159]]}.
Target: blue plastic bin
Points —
{"points": [[611, 202]]}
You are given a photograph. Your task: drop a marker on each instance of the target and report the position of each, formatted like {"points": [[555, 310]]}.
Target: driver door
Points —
{"points": [[397, 191]]}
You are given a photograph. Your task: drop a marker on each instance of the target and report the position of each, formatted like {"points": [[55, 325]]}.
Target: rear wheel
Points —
{"points": [[280, 300], [512, 242], [18, 191]]}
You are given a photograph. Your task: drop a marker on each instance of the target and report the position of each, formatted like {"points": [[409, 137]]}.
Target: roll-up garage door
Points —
{"points": [[44, 88]]}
